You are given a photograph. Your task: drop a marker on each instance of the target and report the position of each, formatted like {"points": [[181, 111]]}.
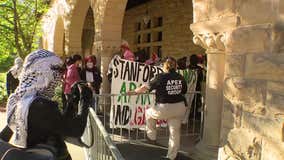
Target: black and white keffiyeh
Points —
{"points": [[17, 68], [38, 77]]}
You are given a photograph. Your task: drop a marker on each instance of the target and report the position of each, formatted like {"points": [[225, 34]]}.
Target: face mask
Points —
{"points": [[90, 65], [80, 65]]}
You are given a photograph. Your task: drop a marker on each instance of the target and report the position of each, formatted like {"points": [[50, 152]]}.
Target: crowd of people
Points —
{"points": [[79, 69], [40, 85], [196, 62]]}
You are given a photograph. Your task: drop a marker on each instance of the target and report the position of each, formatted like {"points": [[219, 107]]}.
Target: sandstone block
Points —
{"points": [[250, 39], [275, 98], [281, 7], [234, 65], [265, 66], [272, 150], [243, 144], [200, 9], [250, 92], [256, 11], [204, 10], [265, 126], [227, 115]]}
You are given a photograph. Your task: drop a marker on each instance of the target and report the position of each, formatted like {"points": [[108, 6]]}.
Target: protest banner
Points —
{"points": [[129, 111]]}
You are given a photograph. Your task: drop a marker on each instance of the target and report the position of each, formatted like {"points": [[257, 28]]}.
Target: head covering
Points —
{"points": [[170, 64], [76, 57], [124, 44], [193, 60], [89, 59], [39, 77], [17, 68], [154, 56]]}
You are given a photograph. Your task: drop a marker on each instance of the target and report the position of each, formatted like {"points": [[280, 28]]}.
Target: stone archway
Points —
{"points": [[108, 39], [108, 21], [75, 29], [59, 38]]}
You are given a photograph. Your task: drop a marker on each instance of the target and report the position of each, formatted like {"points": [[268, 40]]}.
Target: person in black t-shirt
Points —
{"points": [[170, 88], [194, 61]]}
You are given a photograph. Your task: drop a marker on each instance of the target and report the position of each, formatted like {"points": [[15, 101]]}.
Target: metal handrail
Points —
{"points": [[104, 147], [104, 102], [115, 152], [103, 143], [125, 94]]}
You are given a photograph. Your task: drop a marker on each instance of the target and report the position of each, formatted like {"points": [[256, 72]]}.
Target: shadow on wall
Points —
{"points": [[246, 135], [278, 36]]}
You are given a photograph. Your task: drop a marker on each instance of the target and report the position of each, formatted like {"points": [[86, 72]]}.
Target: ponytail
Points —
{"points": [[170, 64]]}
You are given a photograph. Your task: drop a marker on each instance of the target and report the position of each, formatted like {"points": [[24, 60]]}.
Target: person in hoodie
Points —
{"points": [[12, 76], [126, 53], [91, 74], [71, 77], [72, 74], [153, 60]]}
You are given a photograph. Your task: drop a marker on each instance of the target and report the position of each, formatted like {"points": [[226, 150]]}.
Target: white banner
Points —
{"points": [[129, 111]]}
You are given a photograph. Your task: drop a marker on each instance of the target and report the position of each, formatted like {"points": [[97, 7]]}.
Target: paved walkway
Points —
{"points": [[142, 151], [77, 153]]}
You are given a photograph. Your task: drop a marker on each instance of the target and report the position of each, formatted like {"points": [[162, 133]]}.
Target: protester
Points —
{"points": [[194, 60], [141, 56], [34, 117], [68, 61], [154, 59], [72, 74], [12, 76], [91, 74], [127, 54], [170, 105], [181, 63]]}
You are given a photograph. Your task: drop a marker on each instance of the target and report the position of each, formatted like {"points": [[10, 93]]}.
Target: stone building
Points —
{"points": [[244, 114]]}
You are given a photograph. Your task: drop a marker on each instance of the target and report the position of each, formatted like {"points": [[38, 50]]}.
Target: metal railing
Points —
{"points": [[192, 126], [105, 137], [103, 148]]}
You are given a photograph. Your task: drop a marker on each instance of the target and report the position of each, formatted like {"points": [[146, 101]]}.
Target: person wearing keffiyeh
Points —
{"points": [[31, 114], [12, 76]]}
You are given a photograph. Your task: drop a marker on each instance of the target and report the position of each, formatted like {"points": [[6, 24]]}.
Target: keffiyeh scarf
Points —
{"points": [[16, 69], [38, 77]]}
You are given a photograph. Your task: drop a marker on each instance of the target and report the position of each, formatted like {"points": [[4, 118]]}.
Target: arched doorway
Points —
{"points": [[75, 32], [88, 33], [110, 27], [232, 33], [58, 42]]}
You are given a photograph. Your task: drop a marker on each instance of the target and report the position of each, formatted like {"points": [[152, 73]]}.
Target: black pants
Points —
{"points": [[68, 108], [195, 107]]}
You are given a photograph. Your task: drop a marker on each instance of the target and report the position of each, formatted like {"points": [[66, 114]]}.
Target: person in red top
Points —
{"points": [[72, 76], [127, 54], [153, 60]]}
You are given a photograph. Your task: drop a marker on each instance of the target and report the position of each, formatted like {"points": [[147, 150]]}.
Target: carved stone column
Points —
{"points": [[106, 53], [207, 148]]}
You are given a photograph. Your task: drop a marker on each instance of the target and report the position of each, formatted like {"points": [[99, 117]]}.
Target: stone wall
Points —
{"points": [[253, 113], [177, 17]]}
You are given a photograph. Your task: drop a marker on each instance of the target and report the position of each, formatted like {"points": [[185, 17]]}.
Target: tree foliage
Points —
{"points": [[20, 27]]}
